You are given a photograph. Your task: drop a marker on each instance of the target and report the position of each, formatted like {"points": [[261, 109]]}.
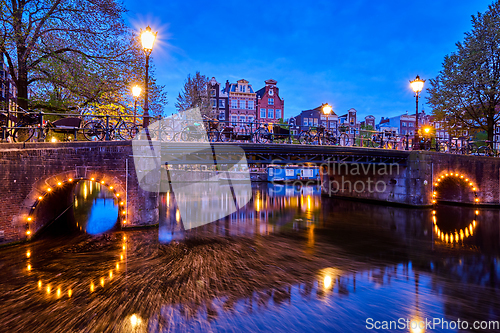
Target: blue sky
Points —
{"points": [[352, 54]]}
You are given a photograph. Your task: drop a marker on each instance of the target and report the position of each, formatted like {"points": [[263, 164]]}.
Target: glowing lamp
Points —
{"points": [[417, 85], [136, 91], [148, 38]]}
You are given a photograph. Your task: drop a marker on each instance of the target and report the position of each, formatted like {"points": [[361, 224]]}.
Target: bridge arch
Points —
{"points": [[457, 177], [64, 182]]}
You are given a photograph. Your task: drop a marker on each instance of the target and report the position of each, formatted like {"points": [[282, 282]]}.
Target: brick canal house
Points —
{"points": [[270, 107]]}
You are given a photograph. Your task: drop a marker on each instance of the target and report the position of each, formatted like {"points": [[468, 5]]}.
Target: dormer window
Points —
{"points": [[243, 88]]}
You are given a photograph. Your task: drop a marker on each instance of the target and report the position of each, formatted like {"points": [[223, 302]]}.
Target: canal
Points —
{"points": [[291, 260]]}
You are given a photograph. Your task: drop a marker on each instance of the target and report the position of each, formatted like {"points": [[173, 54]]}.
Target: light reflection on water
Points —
{"points": [[95, 208], [290, 260]]}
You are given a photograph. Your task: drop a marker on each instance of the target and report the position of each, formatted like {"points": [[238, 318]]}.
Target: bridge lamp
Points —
{"points": [[327, 109], [136, 92], [147, 38], [417, 85]]}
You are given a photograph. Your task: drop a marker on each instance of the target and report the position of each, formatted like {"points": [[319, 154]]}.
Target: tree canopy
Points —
{"points": [[466, 93], [64, 55], [194, 94]]}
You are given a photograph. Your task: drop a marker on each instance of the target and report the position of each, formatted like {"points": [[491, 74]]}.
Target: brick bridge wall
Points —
{"points": [[28, 170], [414, 184]]}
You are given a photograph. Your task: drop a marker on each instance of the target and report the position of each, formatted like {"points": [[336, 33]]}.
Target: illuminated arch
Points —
{"points": [[456, 175], [458, 235], [58, 182]]}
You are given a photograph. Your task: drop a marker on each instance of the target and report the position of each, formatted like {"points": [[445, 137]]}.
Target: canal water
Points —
{"points": [[291, 260]]}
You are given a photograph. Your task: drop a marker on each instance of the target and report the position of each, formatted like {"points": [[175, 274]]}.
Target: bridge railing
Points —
{"points": [[22, 126]]}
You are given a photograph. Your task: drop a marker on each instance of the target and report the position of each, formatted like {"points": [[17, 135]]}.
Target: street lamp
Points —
{"points": [[136, 92], [147, 38], [326, 108], [416, 85]]}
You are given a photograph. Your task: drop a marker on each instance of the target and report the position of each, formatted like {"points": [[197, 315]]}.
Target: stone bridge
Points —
{"points": [[38, 178]]}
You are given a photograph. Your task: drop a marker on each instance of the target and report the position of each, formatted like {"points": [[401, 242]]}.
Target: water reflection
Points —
{"points": [[95, 208], [290, 260]]}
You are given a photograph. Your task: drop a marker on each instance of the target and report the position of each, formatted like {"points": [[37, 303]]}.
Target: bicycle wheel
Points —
{"points": [[262, 135], [93, 131], [213, 136], [127, 130], [23, 134], [344, 139], [305, 138]]}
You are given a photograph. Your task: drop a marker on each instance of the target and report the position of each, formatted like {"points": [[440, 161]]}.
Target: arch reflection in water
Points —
{"points": [[96, 209]]}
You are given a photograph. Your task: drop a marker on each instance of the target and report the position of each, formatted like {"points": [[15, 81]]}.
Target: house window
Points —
{"points": [[250, 119], [250, 105], [270, 113], [315, 121], [222, 103], [410, 124], [234, 104], [289, 172], [403, 124], [332, 124], [278, 113], [262, 113], [323, 117], [306, 120], [243, 88], [214, 102], [270, 101], [242, 104], [212, 92], [234, 119], [222, 116], [243, 119], [323, 122], [310, 121]]}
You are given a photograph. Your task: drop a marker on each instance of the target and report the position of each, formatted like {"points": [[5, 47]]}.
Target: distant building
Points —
{"points": [[314, 117], [242, 100], [218, 100], [8, 91], [270, 107]]}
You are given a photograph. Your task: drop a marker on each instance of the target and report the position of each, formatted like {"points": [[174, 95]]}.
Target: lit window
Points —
{"points": [[315, 121], [306, 120]]}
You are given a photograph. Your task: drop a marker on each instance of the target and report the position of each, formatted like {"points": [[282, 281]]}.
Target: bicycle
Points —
{"points": [[318, 135], [23, 130], [97, 129]]}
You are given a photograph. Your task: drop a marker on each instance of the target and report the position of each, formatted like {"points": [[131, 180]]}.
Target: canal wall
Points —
{"points": [[415, 181]]}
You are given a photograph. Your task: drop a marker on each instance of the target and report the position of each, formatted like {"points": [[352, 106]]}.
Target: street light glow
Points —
{"points": [[417, 85], [136, 91], [148, 38], [327, 109]]}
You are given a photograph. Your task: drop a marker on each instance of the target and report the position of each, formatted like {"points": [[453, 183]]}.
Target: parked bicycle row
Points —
{"points": [[36, 126]]}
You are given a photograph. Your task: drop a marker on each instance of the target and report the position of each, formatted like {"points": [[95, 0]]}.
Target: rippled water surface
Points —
{"points": [[290, 261]]}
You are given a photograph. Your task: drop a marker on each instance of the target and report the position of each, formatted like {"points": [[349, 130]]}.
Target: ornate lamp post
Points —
{"points": [[416, 85], [147, 38], [136, 92]]}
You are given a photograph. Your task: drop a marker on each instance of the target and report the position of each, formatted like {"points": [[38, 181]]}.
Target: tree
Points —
{"points": [[467, 90], [194, 94], [68, 54]]}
